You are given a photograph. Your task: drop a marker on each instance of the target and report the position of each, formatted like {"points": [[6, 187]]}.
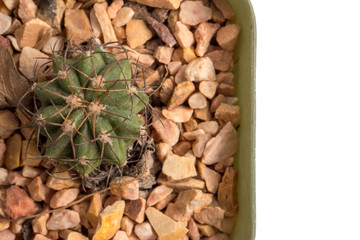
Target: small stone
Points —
{"points": [[13, 151], [176, 214], [207, 230], [227, 194], [178, 114], [203, 114], [8, 123], [193, 230], [71, 235], [4, 177], [192, 201], [191, 136], [181, 93], [63, 219], [197, 101], [64, 197], [11, 4], [52, 12], [227, 36], [199, 144], [186, 184], [228, 113], [219, 99], [232, 100], [30, 155], [210, 215], [226, 90], [167, 130], [137, 33], [168, 4], [194, 12], [164, 202], [37, 189], [54, 44], [183, 35], [94, 209], [4, 9], [189, 54], [133, 237], [28, 58], [180, 75], [135, 210], [111, 199], [208, 88], [39, 224], [2, 151], [120, 235], [158, 194], [27, 10], [174, 67], [18, 203], [123, 16], [162, 150], [4, 224], [165, 227], [221, 59], [95, 25], [190, 125], [125, 187], [216, 14], [223, 146], [109, 221], [82, 209], [145, 232], [16, 178], [225, 9], [162, 31], [163, 54], [5, 23], [114, 8], [104, 22], [200, 69], [54, 234], [17, 226], [227, 225], [178, 168], [127, 225], [7, 235], [60, 179], [181, 148], [29, 34], [145, 60], [166, 90], [210, 127], [77, 25], [160, 14]]}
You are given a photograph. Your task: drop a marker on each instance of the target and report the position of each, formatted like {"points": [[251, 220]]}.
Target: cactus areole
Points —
{"points": [[89, 111]]}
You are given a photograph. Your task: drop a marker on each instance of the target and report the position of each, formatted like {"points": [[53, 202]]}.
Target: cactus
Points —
{"points": [[89, 110]]}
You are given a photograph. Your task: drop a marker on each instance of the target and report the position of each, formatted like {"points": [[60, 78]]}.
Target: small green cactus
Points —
{"points": [[89, 111]]}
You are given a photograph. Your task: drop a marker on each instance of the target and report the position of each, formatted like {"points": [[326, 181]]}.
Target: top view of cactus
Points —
{"points": [[89, 110]]}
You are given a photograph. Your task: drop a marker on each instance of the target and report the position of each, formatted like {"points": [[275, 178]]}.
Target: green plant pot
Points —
{"points": [[245, 85]]}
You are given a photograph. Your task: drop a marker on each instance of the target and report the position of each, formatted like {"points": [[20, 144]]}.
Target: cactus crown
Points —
{"points": [[89, 110]]}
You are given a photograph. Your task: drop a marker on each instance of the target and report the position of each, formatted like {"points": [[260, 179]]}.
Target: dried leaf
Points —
{"points": [[12, 85]]}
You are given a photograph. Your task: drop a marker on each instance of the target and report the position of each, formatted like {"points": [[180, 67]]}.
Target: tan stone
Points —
{"points": [[145, 60], [120, 235], [203, 35], [104, 22], [27, 10], [5, 23], [180, 75], [37, 189], [191, 136], [192, 201], [216, 102], [178, 55], [228, 113], [133, 237], [15, 177], [198, 146], [114, 7], [169, 4], [31, 172], [194, 12], [8, 123], [60, 179], [186, 184], [4, 224], [7, 235], [210, 127], [53, 234], [40, 237], [221, 59], [95, 25], [197, 101], [29, 58], [137, 33], [223, 146], [216, 14], [158, 194], [210, 215], [11, 4], [123, 16], [200, 69], [94, 209], [162, 150], [173, 212], [164, 202], [178, 168], [208, 88], [64, 197], [30, 155], [227, 225], [174, 67], [17, 226], [82, 209], [227, 36], [72, 235], [3, 9], [63, 219], [225, 9], [163, 54], [31, 32], [203, 114], [226, 90], [166, 129], [166, 90], [127, 225], [144, 231], [183, 35], [181, 148], [39, 224], [120, 33], [181, 93], [193, 233], [125, 187], [54, 44], [165, 227], [227, 194], [4, 176], [13, 152], [109, 221], [135, 210], [111, 199], [178, 114], [189, 54], [190, 125], [226, 77], [211, 177], [77, 25], [207, 230]]}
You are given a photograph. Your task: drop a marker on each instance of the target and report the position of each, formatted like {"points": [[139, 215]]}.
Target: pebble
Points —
{"points": [[120, 235], [180, 75], [183, 35], [194, 12], [178, 114], [27, 10], [111, 199], [64, 197], [11, 4], [52, 12], [228, 113], [173, 212], [164, 202], [82, 209], [29, 56], [114, 8], [191, 136], [193, 233], [145, 232], [7, 235], [164, 226], [199, 144], [4, 224], [174, 67], [203, 114], [200, 69], [226, 90], [178, 168], [63, 219], [192, 201], [5, 23], [37, 189], [216, 102], [13, 152], [127, 225], [137, 33], [94, 209], [181, 148], [30, 155], [29, 34], [160, 14], [8, 123], [77, 25], [3, 177], [54, 44], [123, 16], [186, 184], [39, 224], [162, 31], [163, 54], [226, 77], [210, 215], [221, 59], [208, 88], [72, 235], [197, 101], [60, 179], [162, 150], [18, 203], [188, 54], [203, 35], [225, 9], [207, 230], [166, 129], [109, 222], [210, 127], [135, 210], [166, 90], [4, 9], [227, 36], [181, 93], [104, 22], [16, 178], [226, 195], [157, 194], [168, 4], [216, 14], [125, 187]]}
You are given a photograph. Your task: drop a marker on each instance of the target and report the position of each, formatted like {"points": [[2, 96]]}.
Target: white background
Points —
{"points": [[308, 119]]}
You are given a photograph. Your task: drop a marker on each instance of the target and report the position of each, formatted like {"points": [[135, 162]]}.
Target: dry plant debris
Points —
{"points": [[179, 181]]}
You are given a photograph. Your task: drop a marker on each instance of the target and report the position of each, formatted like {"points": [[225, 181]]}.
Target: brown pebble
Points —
{"points": [[162, 31], [181, 148]]}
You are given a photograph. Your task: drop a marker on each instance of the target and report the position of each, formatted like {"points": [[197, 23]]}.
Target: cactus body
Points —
{"points": [[89, 111]]}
